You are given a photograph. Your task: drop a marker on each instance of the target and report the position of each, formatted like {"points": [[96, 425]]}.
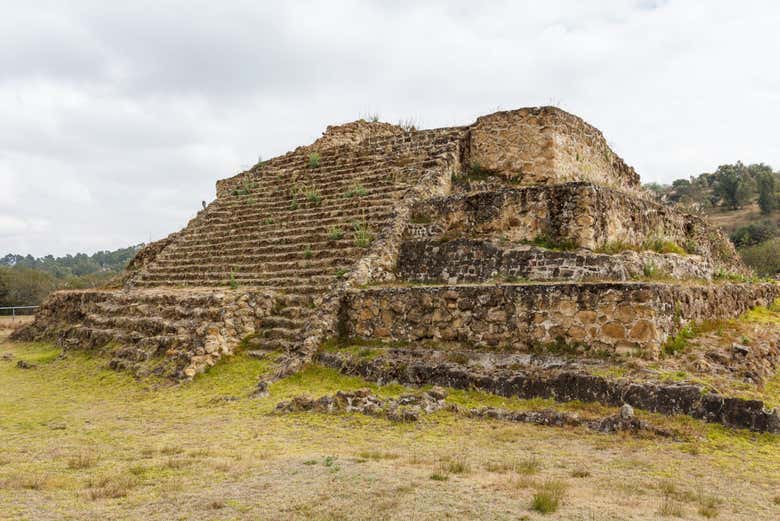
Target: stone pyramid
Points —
{"points": [[519, 232]]}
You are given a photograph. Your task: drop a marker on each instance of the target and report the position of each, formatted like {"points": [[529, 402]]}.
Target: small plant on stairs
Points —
{"points": [[363, 235], [314, 160]]}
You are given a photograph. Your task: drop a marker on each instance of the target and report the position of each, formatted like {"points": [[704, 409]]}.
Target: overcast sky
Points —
{"points": [[116, 118]]}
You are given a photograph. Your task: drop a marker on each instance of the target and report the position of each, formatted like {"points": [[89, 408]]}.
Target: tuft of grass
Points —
{"points": [[176, 463], [528, 466], [548, 497], [314, 160], [110, 487], [709, 508], [335, 233], [547, 242], [357, 190], [663, 245], [313, 196], [362, 234], [679, 342], [82, 460], [457, 465], [233, 283], [341, 272], [307, 253], [580, 473], [439, 476]]}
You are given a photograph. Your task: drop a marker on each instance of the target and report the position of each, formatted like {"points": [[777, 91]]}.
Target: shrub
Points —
{"points": [[764, 258], [752, 234], [314, 160]]}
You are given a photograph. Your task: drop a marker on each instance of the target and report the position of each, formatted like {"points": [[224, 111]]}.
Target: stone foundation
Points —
{"points": [[470, 260], [630, 318]]}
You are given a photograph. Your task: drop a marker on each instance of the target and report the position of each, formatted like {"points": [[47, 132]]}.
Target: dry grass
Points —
{"points": [[147, 450], [83, 460], [109, 487], [9, 323]]}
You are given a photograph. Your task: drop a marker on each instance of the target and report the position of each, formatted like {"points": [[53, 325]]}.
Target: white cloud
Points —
{"points": [[117, 118]]}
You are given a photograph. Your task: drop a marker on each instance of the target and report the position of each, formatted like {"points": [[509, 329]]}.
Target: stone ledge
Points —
{"points": [[473, 260], [566, 386], [577, 214], [625, 318]]}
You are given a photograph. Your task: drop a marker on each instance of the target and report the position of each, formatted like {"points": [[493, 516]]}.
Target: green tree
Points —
{"points": [[766, 192], [734, 185]]}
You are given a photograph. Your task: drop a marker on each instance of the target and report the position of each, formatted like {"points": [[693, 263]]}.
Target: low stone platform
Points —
{"points": [[474, 260], [168, 331], [631, 318], [558, 382]]}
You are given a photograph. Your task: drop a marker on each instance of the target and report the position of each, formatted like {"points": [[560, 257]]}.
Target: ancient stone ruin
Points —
{"points": [[520, 233]]}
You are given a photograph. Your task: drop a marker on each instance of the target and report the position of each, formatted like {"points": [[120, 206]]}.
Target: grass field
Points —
{"points": [[78, 441]]}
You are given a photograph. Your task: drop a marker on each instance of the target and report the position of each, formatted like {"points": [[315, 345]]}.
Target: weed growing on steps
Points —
{"points": [[409, 124], [307, 253], [341, 272], [335, 233], [313, 196], [268, 220], [233, 283], [363, 235], [314, 160], [357, 190], [245, 189]]}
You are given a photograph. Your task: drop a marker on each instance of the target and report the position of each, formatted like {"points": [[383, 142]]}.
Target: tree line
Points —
{"points": [[26, 280], [730, 188]]}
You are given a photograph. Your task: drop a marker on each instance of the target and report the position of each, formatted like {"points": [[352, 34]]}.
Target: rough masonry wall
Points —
{"points": [[545, 145], [579, 214], [622, 318], [470, 260]]}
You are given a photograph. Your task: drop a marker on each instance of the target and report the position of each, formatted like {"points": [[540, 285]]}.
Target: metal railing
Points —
{"points": [[13, 310]]}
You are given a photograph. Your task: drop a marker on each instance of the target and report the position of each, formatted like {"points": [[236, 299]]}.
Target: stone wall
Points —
{"points": [[470, 260], [578, 214], [178, 333], [629, 318], [546, 145]]}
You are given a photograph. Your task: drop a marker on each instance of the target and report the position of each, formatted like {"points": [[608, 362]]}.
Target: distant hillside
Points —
{"points": [[743, 201], [26, 280]]}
